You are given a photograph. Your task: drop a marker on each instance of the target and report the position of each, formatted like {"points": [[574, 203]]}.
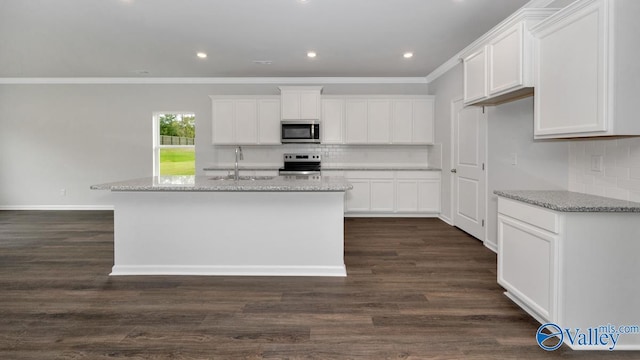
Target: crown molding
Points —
{"points": [[214, 80]]}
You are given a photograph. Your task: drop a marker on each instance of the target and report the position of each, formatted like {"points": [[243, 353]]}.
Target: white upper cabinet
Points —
{"points": [[300, 102], [389, 120], [587, 74], [356, 122], [379, 116], [245, 120], [269, 121], [498, 66], [332, 121], [475, 76]]}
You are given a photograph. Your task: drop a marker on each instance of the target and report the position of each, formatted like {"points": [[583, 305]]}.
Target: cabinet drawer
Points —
{"points": [[530, 214]]}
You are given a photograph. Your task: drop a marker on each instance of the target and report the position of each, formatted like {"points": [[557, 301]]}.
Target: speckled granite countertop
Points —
{"points": [[336, 167], [247, 167], [208, 183], [568, 201], [379, 167]]}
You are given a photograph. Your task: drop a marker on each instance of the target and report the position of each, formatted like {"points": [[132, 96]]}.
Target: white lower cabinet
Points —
{"points": [[392, 193], [575, 269], [358, 199], [527, 254]]}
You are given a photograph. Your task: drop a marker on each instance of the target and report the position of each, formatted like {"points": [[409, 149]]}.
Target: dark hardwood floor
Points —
{"points": [[416, 289]]}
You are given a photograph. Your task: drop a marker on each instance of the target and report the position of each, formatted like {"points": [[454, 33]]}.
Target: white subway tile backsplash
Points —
{"points": [[331, 154], [621, 162]]}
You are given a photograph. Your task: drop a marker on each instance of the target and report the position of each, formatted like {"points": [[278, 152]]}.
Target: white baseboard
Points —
{"points": [[491, 246], [222, 270], [391, 215], [446, 219], [56, 207]]}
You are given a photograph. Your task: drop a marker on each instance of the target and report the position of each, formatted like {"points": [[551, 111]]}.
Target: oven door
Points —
{"points": [[300, 132]]}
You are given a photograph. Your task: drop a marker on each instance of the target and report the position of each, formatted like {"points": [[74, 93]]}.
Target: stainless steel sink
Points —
{"points": [[244, 178]]}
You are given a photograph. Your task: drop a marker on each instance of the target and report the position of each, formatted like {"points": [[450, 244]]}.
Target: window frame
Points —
{"points": [[156, 138]]}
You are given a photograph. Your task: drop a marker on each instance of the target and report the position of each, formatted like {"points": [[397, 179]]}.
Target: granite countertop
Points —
{"points": [[208, 183], [568, 201], [363, 167], [342, 167], [247, 167]]}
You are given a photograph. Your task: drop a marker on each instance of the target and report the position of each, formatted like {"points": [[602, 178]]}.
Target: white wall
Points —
{"points": [[541, 165], [446, 88], [620, 174], [72, 136]]}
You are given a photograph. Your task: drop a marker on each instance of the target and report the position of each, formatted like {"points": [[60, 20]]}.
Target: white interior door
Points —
{"points": [[468, 170]]}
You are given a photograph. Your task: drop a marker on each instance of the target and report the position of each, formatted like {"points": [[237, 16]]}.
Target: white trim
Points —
{"points": [[219, 80], [446, 219], [533, 8], [538, 3], [491, 246], [444, 68], [229, 270], [56, 207], [391, 215]]}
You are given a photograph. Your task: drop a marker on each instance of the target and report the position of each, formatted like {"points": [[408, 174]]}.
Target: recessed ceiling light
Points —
{"points": [[311, 54], [201, 55], [263, 62], [408, 55]]}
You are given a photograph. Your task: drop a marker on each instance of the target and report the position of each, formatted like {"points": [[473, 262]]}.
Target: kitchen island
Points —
{"points": [[202, 225]]}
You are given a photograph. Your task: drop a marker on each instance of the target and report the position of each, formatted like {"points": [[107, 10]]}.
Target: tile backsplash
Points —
{"points": [[608, 167], [331, 154]]}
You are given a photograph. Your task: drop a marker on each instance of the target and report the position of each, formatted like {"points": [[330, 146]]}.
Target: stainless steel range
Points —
{"points": [[301, 165]]}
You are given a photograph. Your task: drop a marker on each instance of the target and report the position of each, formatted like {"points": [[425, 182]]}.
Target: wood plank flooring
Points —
{"points": [[416, 289]]}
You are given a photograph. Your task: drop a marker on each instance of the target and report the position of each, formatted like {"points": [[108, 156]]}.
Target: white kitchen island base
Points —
{"points": [[229, 233]]}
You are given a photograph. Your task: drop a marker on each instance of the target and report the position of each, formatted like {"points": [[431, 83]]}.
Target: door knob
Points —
{"points": [[454, 170]]}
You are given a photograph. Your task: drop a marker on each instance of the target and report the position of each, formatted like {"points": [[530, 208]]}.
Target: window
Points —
{"points": [[174, 143]]}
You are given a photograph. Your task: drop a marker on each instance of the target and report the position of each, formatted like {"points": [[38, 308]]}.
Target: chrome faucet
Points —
{"points": [[239, 155]]}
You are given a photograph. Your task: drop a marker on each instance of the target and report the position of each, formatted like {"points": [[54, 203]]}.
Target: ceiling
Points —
{"points": [[160, 38]]}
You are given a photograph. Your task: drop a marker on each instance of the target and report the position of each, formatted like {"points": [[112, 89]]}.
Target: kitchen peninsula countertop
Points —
{"points": [[207, 183], [568, 201], [335, 167]]}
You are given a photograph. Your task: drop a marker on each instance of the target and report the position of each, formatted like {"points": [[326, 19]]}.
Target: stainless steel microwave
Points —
{"points": [[300, 131]]}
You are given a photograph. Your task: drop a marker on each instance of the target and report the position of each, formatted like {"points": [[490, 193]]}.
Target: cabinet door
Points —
{"points": [[475, 76], [407, 196], [382, 195], [246, 122], [423, 121], [402, 120], [356, 121], [332, 121], [223, 122], [290, 103], [526, 264], [505, 60], [358, 198], [429, 196], [309, 104], [570, 75], [269, 121], [379, 117]]}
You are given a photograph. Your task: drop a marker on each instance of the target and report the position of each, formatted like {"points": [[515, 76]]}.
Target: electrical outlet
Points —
{"points": [[596, 163], [63, 192]]}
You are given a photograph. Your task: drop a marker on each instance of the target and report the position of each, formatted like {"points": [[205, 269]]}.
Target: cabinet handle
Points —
{"points": [[454, 170]]}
